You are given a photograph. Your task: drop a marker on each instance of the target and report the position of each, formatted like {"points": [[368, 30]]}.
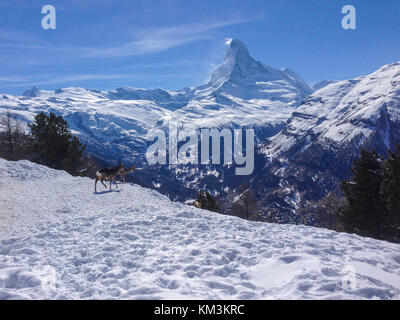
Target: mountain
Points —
{"points": [[60, 240], [315, 150], [269, 94], [322, 84], [118, 124]]}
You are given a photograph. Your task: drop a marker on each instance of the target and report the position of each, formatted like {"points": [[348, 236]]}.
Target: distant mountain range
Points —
{"points": [[306, 139]]}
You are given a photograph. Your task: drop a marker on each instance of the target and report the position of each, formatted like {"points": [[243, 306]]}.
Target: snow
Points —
{"points": [[343, 112], [241, 93], [322, 84], [60, 240]]}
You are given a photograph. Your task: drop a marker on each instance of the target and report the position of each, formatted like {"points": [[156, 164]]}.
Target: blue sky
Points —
{"points": [[105, 44]]}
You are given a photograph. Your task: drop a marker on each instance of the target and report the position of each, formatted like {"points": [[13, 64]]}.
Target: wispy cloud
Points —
{"points": [[80, 77], [144, 42], [14, 35], [20, 81], [152, 41], [177, 63], [24, 81], [13, 79]]}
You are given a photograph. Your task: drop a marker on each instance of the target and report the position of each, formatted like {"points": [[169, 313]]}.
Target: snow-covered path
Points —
{"points": [[59, 240]]}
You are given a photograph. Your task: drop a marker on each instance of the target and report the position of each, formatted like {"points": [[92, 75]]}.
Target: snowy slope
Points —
{"points": [[59, 240], [345, 113], [315, 150], [322, 84]]}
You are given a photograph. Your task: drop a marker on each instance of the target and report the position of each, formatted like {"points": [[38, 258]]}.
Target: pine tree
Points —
{"points": [[391, 192], [365, 211], [12, 138], [246, 204], [54, 144], [6, 121], [207, 201], [50, 139], [74, 160], [212, 203]]}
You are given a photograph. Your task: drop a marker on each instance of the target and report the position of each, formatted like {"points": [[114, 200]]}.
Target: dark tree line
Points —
{"points": [[245, 204], [242, 203], [373, 196], [54, 145], [367, 204], [206, 201], [13, 141], [50, 142]]}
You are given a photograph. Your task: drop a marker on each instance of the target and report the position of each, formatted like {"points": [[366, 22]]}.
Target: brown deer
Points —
{"points": [[108, 174], [125, 171]]}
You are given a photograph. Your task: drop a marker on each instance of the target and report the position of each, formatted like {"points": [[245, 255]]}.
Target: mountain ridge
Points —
{"points": [[315, 150]]}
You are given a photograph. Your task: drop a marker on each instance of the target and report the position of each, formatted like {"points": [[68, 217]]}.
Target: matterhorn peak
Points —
{"points": [[237, 60], [240, 70], [239, 66], [237, 50]]}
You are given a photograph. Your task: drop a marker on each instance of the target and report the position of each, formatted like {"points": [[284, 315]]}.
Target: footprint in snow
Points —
{"points": [[289, 259]]}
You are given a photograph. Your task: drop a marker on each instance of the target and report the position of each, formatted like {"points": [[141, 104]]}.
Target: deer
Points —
{"points": [[125, 171], [108, 174]]}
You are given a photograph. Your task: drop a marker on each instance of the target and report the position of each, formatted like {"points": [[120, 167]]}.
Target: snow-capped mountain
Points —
{"points": [[116, 124], [315, 150], [346, 112], [245, 92], [60, 240], [322, 84], [242, 77]]}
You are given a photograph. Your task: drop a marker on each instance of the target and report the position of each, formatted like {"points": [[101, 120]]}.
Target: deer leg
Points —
{"points": [[95, 185], [115, 181], [103, 183]]}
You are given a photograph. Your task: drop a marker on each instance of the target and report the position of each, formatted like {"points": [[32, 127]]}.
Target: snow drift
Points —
{"points": [[59, 240]]}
